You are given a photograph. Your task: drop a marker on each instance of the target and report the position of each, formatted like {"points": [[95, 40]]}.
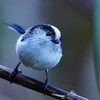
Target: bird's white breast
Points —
{"points": [[38, 56]]}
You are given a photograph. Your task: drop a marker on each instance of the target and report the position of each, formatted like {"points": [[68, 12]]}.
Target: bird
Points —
{"points": [[38, 47]]}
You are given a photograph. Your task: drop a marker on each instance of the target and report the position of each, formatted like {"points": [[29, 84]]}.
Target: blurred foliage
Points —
{"points": [[97, 41]]}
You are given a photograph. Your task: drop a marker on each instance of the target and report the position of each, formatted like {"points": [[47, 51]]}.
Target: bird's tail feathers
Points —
{"points": [[16, 27]]}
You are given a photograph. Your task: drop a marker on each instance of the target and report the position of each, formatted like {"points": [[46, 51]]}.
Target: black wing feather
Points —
{"points": [[16, 27]]}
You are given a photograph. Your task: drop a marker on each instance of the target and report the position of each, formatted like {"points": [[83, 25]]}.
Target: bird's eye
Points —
{"points": [[48, 33]]}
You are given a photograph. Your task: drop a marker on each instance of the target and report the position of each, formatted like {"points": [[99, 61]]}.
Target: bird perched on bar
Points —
{"points": [[38, 47]]}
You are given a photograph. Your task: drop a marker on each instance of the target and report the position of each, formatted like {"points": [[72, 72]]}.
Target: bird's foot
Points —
{"points": [[45, 86], [14, 72], [46, 82]]}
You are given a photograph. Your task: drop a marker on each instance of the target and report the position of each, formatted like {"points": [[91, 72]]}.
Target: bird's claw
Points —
{"points": [[46, 82], [45, 86], [14, 72]]}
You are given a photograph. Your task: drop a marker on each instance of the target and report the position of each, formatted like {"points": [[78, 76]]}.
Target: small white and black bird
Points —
{"points": [[38, 47]]}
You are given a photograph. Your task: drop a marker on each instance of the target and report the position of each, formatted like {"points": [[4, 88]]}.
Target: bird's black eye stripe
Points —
{"points": [[49, 30], [45, 27]]}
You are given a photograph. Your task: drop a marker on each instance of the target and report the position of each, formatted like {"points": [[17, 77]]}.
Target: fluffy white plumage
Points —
{"points": [[37, 50], [38, 47]]}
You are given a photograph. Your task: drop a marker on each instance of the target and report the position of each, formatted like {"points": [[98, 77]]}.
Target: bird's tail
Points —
{"points": [[16, 27]]}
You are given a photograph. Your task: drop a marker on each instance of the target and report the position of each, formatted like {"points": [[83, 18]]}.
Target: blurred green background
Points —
{"points": [[75, 71]]}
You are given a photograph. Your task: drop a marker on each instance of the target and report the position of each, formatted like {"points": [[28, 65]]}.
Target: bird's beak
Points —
{"points": [[57, 41]]}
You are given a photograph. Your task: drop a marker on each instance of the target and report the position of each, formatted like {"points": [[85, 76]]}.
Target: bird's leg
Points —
{"points": [[15, 71], [46, 81]]}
